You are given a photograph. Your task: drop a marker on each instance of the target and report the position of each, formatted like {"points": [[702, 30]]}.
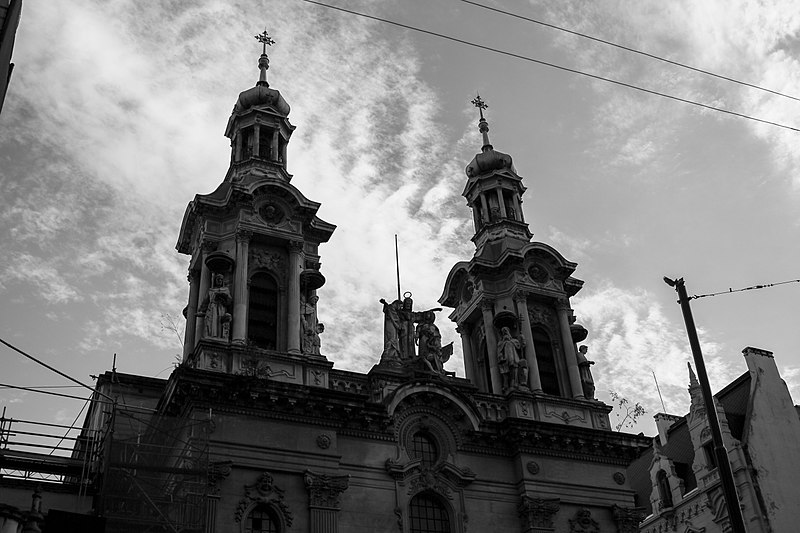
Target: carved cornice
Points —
{"points": [[324, 491]]}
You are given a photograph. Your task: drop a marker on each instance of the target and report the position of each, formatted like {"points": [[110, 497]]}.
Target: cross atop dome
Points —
{"points": [[483, 126], [263, 61]]}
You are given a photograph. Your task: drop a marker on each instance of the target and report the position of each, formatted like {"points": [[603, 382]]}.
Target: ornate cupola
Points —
{"points": [[511, 304], [494, 192], [253, 242]]}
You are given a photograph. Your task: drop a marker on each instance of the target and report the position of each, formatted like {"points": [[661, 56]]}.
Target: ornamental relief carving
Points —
{"points": [[275, 262], [263, 491], [540, 314], [325, 491], [583, 523]]}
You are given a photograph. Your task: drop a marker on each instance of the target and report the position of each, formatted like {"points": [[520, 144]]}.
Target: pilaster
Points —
{"points": [[487, 308], [537, 514], [191, 313], [466, 348], [323, 500], [562, 308], [521, 300], [206, 247], [295, 267], [240, 293]]}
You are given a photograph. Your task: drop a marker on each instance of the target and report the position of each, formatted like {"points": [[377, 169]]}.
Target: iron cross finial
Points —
{"points": [[265, 40], [480, 104]]}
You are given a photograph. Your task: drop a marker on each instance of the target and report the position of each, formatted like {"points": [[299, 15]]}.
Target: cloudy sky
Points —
{"points": [[115, 116]]}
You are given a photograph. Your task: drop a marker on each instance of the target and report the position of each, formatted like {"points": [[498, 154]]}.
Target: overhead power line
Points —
{"points": [[60, 373], [751, 288], [553, 65], [629, 49]]}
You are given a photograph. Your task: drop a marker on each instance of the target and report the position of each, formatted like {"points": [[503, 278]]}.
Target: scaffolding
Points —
{"points": [[155, 474], [147, 472]]}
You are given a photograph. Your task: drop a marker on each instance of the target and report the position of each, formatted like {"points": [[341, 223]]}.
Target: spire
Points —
{"points": [[263, 61], [693, 383], [483, 126]]}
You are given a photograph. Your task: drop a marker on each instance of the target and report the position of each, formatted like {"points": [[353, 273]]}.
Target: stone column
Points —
{"points": [[485, 208], [502, 201], [238, 148], [562, 307], [191, 313], [521, 300], [240, 295], [323, 500], [256, 140], [205, 281], [487, 309], [295, 266], [466, 348]]}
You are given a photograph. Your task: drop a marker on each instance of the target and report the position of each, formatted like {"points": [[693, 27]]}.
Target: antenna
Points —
{"points": [[659, 393], [397, 264]]}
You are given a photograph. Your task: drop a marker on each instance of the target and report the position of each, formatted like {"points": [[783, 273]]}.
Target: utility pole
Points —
{"points": [[724, 466]]}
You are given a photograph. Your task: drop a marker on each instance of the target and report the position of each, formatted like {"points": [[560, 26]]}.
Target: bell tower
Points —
{"points": [[253, 242], [511, 302]]}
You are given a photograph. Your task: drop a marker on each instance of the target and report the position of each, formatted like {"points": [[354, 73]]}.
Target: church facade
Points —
{"points": [[256, 431]]}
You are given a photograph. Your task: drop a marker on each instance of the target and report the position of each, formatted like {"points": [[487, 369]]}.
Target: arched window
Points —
{"points": [[428, 515], [546, 361], [261, 520], [262, 318], [424, 447], [664, 491]]}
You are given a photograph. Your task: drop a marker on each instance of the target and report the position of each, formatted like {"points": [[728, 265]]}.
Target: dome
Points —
{"points": [[261, 95], [488, 160]]}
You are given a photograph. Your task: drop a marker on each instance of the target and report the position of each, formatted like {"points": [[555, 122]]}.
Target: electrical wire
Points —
{"points": [[754, 287], [72, 426], [112, 402], [629, 49], [60, 373], [553, 65]]}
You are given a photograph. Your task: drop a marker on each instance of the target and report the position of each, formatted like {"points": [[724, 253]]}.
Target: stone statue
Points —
{"points": [[215, 309], [308, 314], [587, 382], [391, 332], [406, 333], [509, 351], [431, 352]]}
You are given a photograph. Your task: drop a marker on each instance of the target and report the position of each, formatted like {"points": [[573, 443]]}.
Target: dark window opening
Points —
{"points": [[428, 515], [424, 447], [487, 374], [247, 143], [262, 320], [664, 492], [546, 361], [264, 143], [261, 520], [711, 457]]}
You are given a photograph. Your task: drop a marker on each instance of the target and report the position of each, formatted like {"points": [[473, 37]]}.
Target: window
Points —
{"points": [[264, 143], [428, 515], [484, 362], [262, 320], [261, 520], [664, 491], [424, 447], [247, 143], [711, 457], [546, 362]]}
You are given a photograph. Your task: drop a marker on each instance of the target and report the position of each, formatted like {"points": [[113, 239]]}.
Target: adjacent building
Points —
{"points": [[677, 480]]}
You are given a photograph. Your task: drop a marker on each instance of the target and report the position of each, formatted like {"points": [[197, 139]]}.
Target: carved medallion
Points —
{"points": [[324, 441], [533, 467], [538, 274], [619, 478], [272, 213]]}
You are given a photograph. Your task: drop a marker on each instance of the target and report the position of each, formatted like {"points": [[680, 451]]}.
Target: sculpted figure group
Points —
{"points": [[405, 329], [510, 361]]}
